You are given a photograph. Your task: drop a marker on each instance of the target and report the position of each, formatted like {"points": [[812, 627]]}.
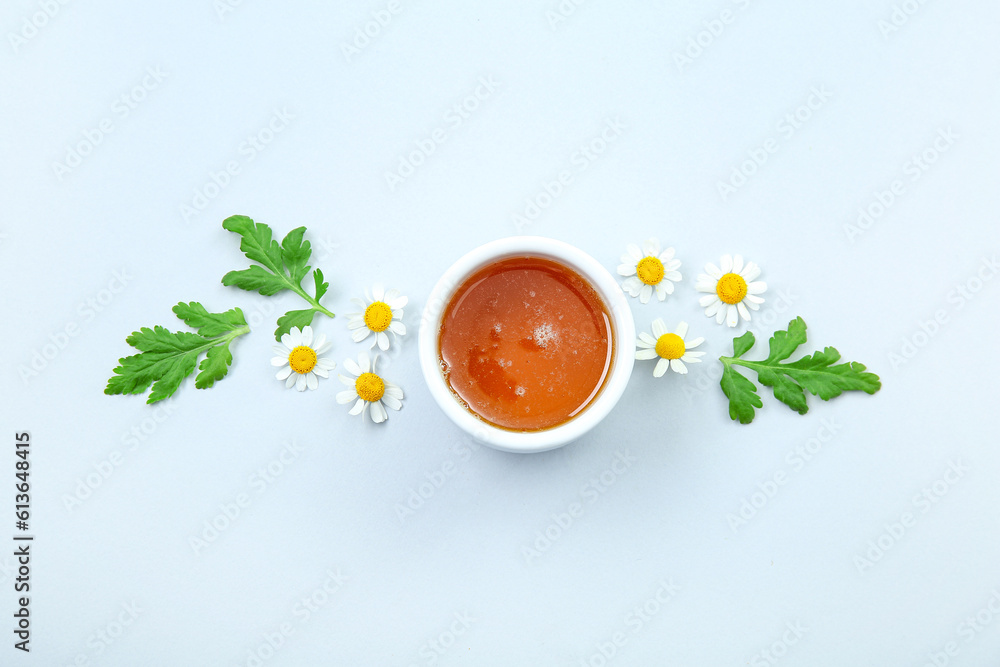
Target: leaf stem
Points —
{"points": [[298, 289]]}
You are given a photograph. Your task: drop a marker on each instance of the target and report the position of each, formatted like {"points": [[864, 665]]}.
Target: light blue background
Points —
{"points": [[335, 506]]}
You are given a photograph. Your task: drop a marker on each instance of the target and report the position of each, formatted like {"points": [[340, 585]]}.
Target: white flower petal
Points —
{"points": [[634, 252], [355, 323], [360, 334], [292, 379], [675, 276], [392, 401], [378, 292], [753, 298], [322, 372], [677, 366], [708, 299], [283, 373], [727, 264], [393, 390], [311, 380], [737, 263], [626, 269], [707, 286], [352, 367], [681, 330], [286, 339], [661, 367], [750, 272], [323, 349], [645, 292], [280, 350], [713, 271], [364, 361], [279, 361], [349, 381], [307, 336], [645, 340], [651, 247], [720, 316], [659, 327], [358, 408], [693, 355], [666, 256], [744, 313], [732, 316], [318, 342], [693, 343], [397, 328], [390, 294], [296, 336], [382, 340], [756, 288], [379, 414], [689, 359], [632, 285], [645, 354], [714, 307], [300, 383], [346, 396]]}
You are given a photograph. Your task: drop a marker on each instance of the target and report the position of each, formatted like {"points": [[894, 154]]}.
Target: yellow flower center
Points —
{"points": [[650, 270], [302, 359], [378, 316], [670, 346], [731, 288], [369, 386]]}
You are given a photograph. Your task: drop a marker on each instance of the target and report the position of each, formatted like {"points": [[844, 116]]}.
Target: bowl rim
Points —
{"points": [[623, 328]]}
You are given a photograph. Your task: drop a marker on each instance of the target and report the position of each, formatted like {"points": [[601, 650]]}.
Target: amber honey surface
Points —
{"points": [[526, 343]]}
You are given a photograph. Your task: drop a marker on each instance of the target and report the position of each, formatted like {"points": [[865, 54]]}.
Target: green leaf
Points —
{"points": [[295, 253], [257, 243], [167, 357], [208, 324], [255, 279], [214, 366], [785, 390], [821, 378], [742, 394], [279, 267], [784, 343], [818, 373], [742, 344], [293, 318], [321, 286]]}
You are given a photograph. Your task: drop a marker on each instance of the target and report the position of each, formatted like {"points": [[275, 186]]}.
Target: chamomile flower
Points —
{"points": [[379, 314], [732, 288], [301, 358], [671, 348], [649, 270], [368, 388]]}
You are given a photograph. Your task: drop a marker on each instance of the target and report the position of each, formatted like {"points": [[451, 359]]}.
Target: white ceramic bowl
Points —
{"points": [[623, 332]]}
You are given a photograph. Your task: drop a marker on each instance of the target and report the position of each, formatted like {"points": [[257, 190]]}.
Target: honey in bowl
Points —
{"points": [[526, 343]]}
